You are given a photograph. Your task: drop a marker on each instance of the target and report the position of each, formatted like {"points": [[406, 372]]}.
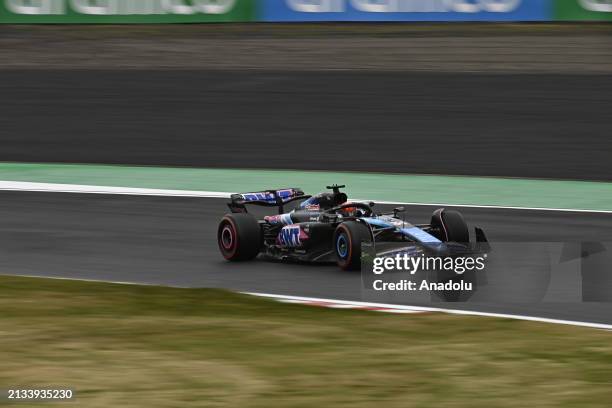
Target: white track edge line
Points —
{"points": [[501, 207], [88, 189]]}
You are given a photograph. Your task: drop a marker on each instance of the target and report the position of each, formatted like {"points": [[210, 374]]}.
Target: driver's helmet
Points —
{"points": [[352, 211], [323, 201]]}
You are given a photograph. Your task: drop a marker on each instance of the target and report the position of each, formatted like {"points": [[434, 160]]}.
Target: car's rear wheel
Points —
{"points": [[347, 243], [239, 237], [450, 226]]}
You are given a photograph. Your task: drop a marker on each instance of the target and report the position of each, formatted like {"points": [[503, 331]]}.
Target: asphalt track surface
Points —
{"points": [[170, 240], [505, 125], [549, 126]]}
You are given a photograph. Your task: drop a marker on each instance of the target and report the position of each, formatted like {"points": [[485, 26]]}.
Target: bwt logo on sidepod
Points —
{"points": [[407, 6], [289, 236]]}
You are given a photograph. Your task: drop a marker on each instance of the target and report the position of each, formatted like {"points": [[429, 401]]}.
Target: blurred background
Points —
{"points": [[469, 87]]}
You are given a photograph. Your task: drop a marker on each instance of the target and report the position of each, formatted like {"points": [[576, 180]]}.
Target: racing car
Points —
{"points": [[326, 227]]}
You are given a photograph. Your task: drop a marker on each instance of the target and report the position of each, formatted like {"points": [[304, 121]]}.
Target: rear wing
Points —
{"points": [[269, 198]]}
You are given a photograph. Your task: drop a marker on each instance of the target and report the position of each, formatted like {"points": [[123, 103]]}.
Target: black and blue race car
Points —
{"points": [[326, 227]]}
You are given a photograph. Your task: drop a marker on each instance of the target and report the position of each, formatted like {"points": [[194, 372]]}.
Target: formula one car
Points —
{"points": [[327, 228]]}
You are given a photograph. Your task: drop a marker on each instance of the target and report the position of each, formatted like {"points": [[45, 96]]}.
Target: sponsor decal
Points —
{"points": [[268, 196], [284, 219], [256, 196], [311, 204], [291, 236], [272, 219]]}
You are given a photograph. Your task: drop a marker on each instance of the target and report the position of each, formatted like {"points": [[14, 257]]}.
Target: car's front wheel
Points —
{"points": [[450, 226], [347, 243]]}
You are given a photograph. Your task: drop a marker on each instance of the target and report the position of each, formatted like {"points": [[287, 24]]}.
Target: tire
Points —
{"points": [[347, 244], [451, 226], [239, 237]]}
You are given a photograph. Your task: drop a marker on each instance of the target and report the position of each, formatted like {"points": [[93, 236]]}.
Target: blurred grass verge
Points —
{"points": [[127, 345]]}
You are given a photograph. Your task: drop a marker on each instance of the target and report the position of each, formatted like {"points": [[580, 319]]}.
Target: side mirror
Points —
{"points": [[371, 204], [398, 210]]}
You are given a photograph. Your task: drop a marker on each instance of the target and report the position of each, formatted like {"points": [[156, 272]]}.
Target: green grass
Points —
{"points": [[123, 345]]}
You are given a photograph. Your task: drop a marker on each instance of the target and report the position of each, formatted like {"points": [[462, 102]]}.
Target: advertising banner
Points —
{"points": [[405, 10], [125, 11], [202, 11], [583, 10]]}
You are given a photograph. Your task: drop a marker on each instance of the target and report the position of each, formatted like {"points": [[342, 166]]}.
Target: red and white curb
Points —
{"points": [[377, 307], [336, 305], [342, 304], [390, 308]]}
